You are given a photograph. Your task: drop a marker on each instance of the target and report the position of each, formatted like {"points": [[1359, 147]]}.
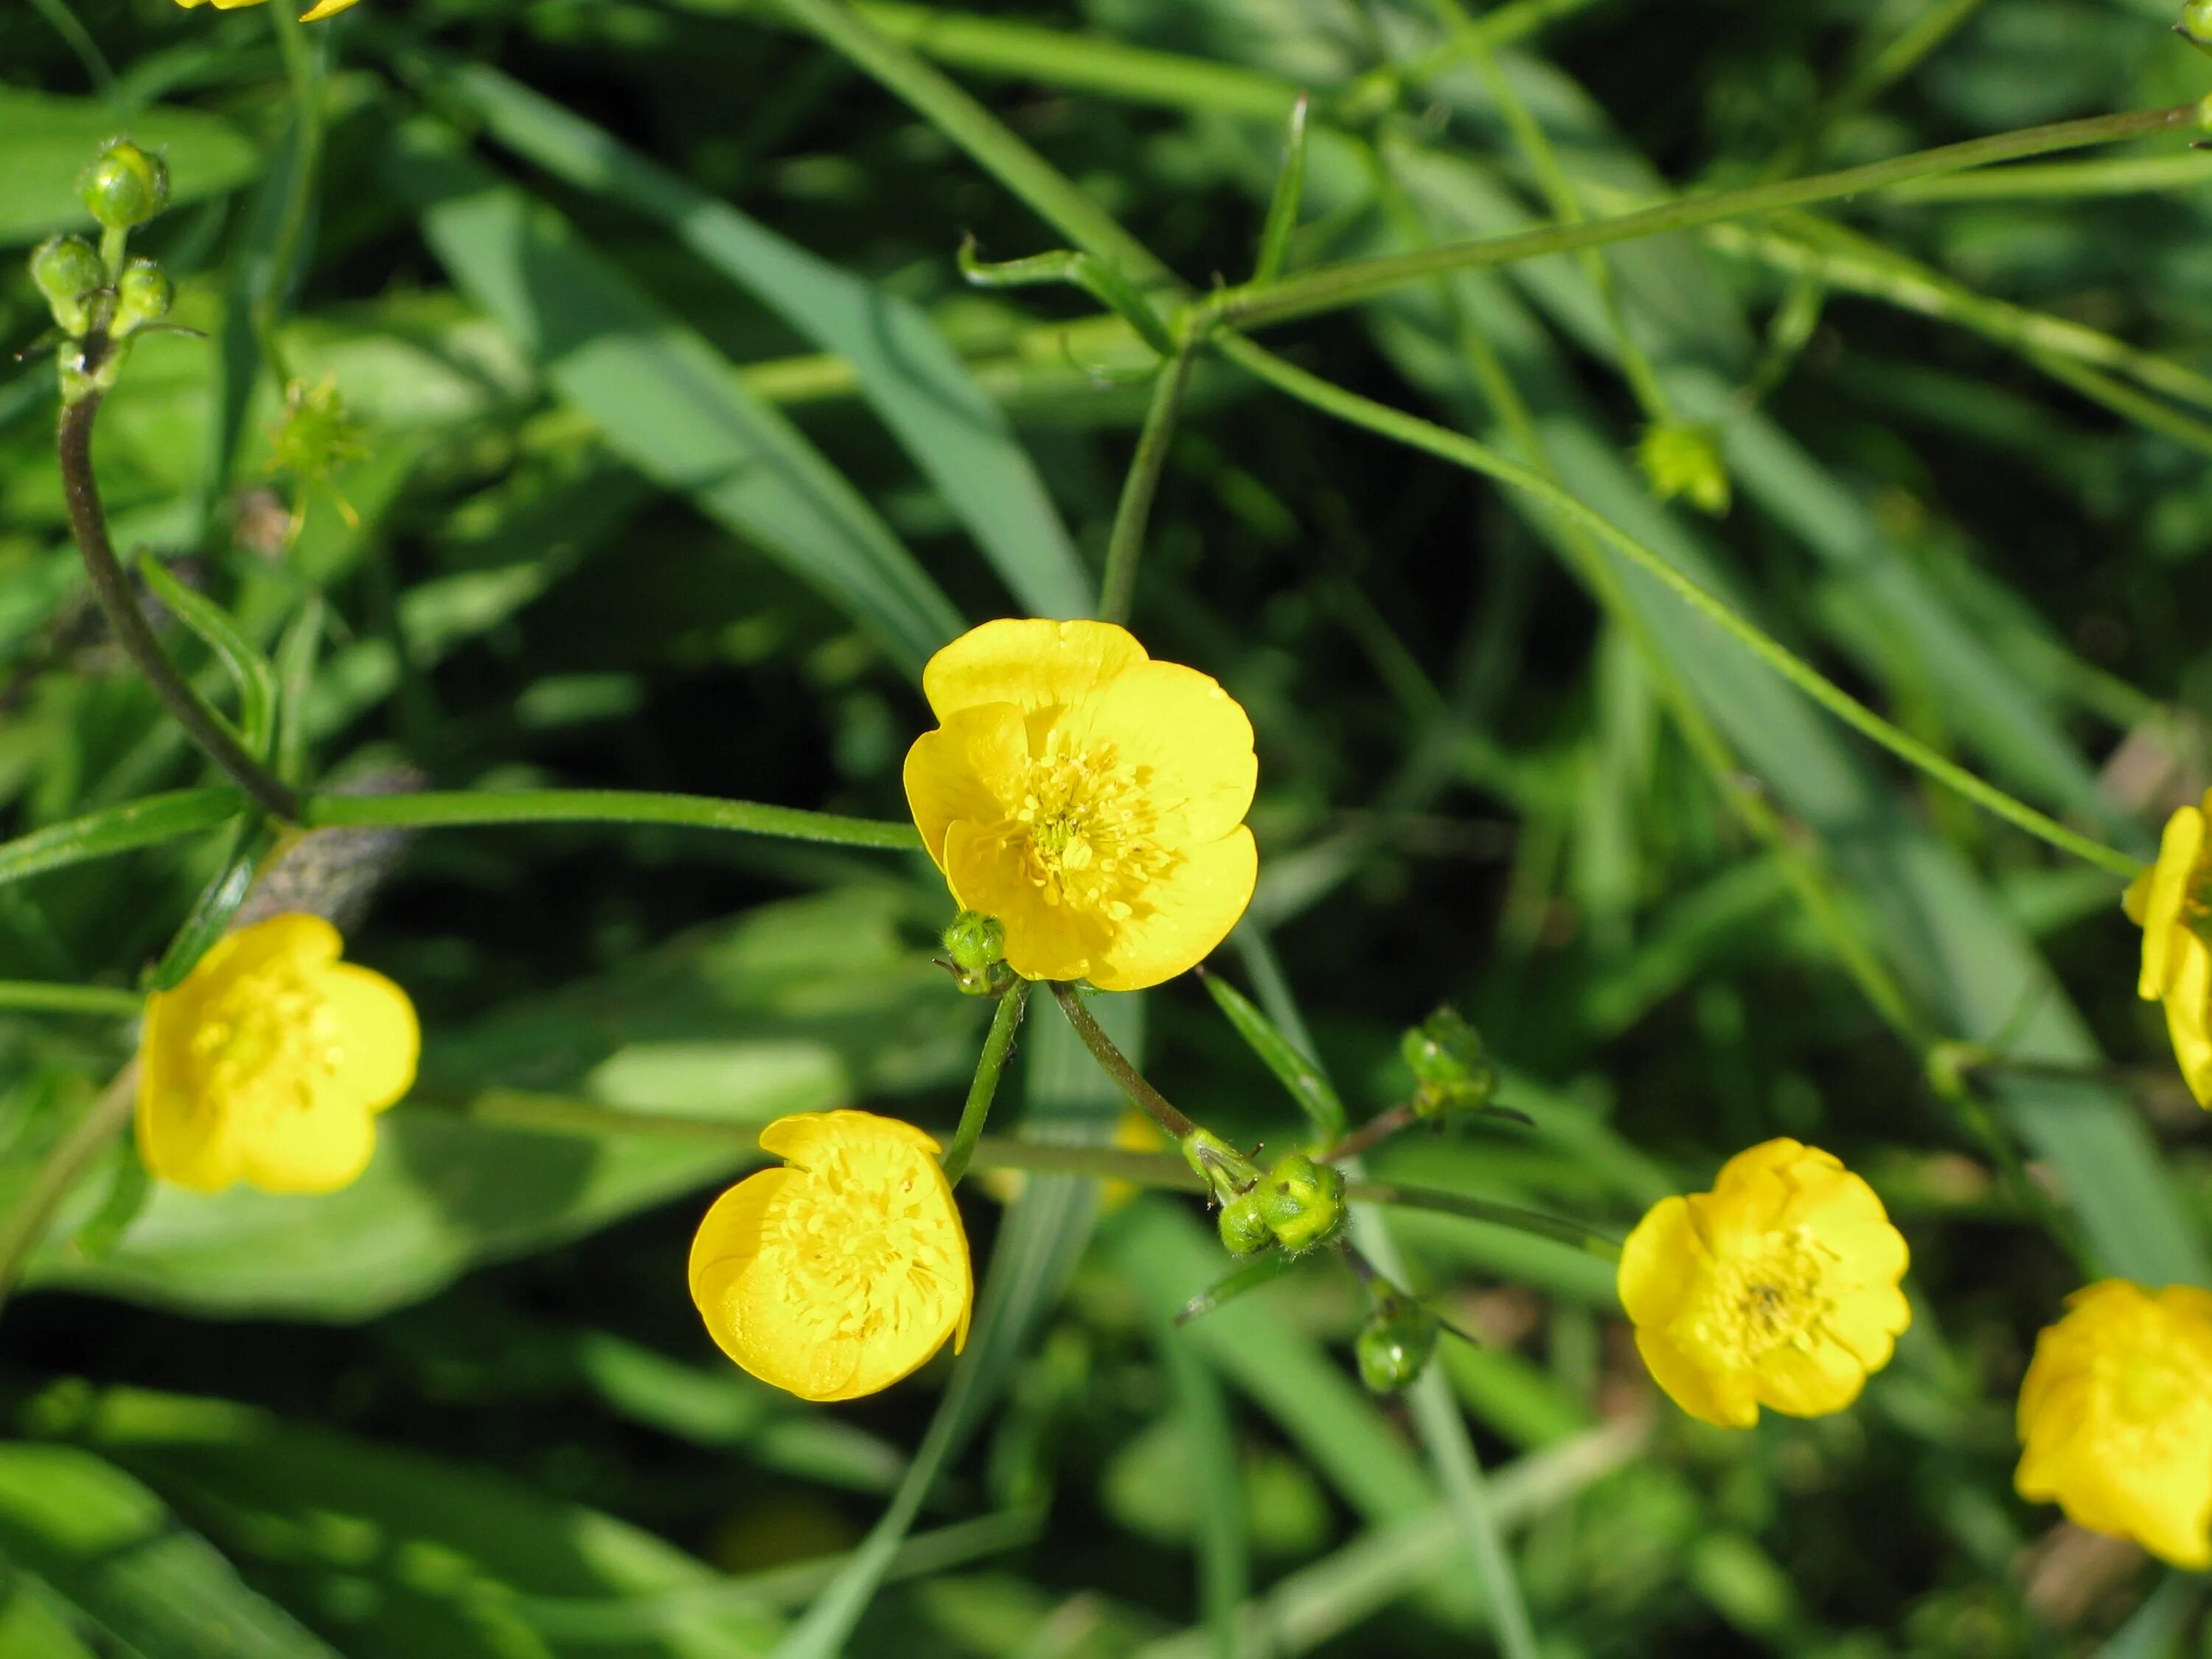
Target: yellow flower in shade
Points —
{"points": [[1090, 799], [2116, 1417], [268, 1064], [845, 1270], [2170, 902], [325, 8], [1777, 1288]]}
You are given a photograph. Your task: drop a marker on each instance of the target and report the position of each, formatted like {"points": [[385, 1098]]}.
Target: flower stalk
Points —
{"points": [[1117, 1065], [997, 1049]]}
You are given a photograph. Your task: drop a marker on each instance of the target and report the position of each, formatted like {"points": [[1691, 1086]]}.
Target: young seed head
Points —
{"points": [[125, 185]]}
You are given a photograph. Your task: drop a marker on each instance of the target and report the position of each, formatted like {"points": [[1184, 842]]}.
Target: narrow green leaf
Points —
{"points": [[1315, 1095], [1237, 1282], [664, 398], [1290, 194], [117, 829], [108, 1546], [914, 380]]}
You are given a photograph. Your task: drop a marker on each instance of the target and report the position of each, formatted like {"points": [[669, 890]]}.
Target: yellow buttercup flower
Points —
{"points": [[1777, 1288], [2116, 1417], [325, 9], [2171, 901], [845, 1270], [268, 1064], [1090, 799]]}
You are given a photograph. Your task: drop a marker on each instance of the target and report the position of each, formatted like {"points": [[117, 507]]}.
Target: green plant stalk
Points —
{"points": [[952, 112], [1840, 258], [25, 1224], [1536, 144], [95, 1001], [1117, 589], [1331, 287], [304, 70], [1463, 451], [998, 1044], [1133, 1082], [442, 810], [112, 589], [2121, 175]]}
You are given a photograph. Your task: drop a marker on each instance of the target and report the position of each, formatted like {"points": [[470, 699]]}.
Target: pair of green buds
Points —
{"points": [[1298, 1204], [98, 301]]}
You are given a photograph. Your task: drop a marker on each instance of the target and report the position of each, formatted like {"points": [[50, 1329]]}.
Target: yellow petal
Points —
{"points": [[2179, 845], [1867, 1323], [1658, 1264], [796, 1137], [308, 941], [1190, 911], [725, 1245], [326, 9], [1043, 940], [315, 1148], [970, 770], [1724, 1400], [1030, 664], [1190, 738], [378, 1041], [1809, 1380], [2188, 999], [181, 1137]]}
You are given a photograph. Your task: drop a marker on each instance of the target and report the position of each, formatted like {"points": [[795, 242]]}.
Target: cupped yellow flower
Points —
{"points": [[1090, 799], [1777, 1288], [845, 1270], [2172, 902], [268, 1064], [325, 8], [2116, 1417]]}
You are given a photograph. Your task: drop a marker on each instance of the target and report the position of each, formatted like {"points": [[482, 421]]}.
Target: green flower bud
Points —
{"points": [[1450, 1072], [69, 272], [1244, 1230], [2195, 24], [1395, 1344], [144, 295], [1684, 460], [1303, 1201], [977, 944], [125, 185], [1227, 1173]]}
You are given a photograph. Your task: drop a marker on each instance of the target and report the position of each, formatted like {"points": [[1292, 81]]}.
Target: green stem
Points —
{"points": [[975, 130], [1332, 287], [1132, 1081], [136, 823], [1117, 591], [25, 1222], [112, 588], [98, 1001], [1557, 1228], [436, 810], [1463, 451], [997, 1046], [303, 70]]}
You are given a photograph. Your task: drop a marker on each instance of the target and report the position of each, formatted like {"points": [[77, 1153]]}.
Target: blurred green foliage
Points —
{"points": [[684, 445]]}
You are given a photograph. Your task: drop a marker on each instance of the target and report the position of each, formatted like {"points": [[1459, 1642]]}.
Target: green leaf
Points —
{"points": [[914, 381], [120, 1560], [248, 668], [392, 1553], [664, 398], [117, 829], [45, 142], [1316, 1095]]}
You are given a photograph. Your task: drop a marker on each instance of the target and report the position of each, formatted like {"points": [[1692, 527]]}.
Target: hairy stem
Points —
{"points": [[112, 588], [1117, 591], [1116, 1063], [997, 1047]]}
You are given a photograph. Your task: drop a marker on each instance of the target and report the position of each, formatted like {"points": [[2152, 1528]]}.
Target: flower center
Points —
{"points": [[1769, 1297], [1084, 826], [866, 1248], [267, 1034]]}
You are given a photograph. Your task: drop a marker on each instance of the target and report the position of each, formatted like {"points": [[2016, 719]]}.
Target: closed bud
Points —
{"points": [[125, 185], [144, 295], [1227, 1173], [69, 272], [1451, 1070], [1244, 1230], [977, 944], [2195, 24], [1679, 459], [1303, 1201], [1395, 1344]]}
